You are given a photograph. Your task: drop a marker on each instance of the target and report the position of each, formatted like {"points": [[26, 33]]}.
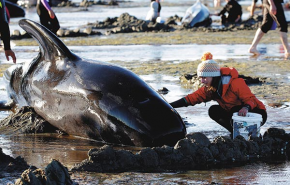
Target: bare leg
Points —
{"points": [[252, 9], [284, 40], [258, 36]]}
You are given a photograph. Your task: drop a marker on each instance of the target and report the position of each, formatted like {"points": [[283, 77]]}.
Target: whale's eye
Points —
{"points": [[144, 101]]}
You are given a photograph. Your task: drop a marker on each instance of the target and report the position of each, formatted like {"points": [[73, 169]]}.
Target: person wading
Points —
{"points": [[273, 13]]}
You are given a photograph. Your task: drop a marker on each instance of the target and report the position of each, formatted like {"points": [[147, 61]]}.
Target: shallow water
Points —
{"points": [[145, 53]]}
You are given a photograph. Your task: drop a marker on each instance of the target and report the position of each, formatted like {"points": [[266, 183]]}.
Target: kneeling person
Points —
{"points": [[223, 86]]}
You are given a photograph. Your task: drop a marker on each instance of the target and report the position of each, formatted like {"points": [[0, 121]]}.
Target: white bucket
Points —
{"points": [[247, 125]]}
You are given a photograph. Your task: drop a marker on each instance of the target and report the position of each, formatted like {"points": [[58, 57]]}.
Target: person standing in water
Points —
{"points": [[153, 12], [273, 12], [224, 86], [5, 32], [47, 16]]}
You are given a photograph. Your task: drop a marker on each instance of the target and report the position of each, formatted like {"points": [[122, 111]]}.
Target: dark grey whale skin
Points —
{"points": [[89, 98]]}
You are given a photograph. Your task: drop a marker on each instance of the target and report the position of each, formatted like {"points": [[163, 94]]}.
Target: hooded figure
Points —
{"points": [[224, 86], [153, 12], [47, 16]]}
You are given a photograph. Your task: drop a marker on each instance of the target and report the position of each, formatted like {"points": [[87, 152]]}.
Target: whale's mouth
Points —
{"points": [[144, 101], [168, 139]]}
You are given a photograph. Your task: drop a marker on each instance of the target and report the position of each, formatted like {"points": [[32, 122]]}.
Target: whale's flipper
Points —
{"points": [[51, 46]]}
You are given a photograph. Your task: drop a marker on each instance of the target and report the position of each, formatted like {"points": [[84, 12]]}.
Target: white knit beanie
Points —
{"points": [[208, 67]]}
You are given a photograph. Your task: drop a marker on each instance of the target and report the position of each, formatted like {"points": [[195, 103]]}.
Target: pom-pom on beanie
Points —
{"points": [[208, 67]]}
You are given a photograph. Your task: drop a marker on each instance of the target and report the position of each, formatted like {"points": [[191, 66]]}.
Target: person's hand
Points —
{"points": [[51, 14], [273, 9], [238, 18], [11, 54], [243, 111]]}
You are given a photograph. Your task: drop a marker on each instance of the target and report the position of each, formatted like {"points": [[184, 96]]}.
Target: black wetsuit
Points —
{"points": [[45, 20], [4, 26], [234, 10], [279, 17]]}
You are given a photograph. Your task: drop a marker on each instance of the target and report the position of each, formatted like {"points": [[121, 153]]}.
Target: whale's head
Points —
{"points": [[90, 98]]}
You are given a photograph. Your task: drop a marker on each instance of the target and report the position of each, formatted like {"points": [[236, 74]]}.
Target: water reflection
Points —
{"points": [[247, 174], [39, 149], [144, 53]]}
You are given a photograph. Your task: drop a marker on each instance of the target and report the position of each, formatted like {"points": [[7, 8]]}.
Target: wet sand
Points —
{"points": [[176, 37]]}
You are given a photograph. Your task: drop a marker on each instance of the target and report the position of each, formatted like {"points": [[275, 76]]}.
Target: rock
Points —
{"points": [[163, 90], [16, 33], [198, 138], [149, 159], [193, 152], [9, 164], [126, 160], [113, 2], [29, 176], [55, 173], [88, 30], [60, 32]]}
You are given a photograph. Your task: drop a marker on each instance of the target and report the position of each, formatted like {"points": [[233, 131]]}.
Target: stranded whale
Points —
{"points": [[89, 98]]}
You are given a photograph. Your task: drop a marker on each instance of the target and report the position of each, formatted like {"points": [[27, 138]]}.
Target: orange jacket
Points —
{"points": [[235, 92]]}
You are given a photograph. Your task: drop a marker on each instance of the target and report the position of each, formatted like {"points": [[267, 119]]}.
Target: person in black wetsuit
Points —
{"points": [[47, 16], [5, 32], [234, 10]]}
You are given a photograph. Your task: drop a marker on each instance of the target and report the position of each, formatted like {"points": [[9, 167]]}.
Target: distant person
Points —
{"points": [[217, 3], [153, 12], [223, 85], [47, 16], [5, 32], [253, 7], [273, 14], [234, 10]]}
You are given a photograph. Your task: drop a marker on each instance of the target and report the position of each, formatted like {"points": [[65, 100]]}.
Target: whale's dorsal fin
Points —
{"points": [[50, 45]]}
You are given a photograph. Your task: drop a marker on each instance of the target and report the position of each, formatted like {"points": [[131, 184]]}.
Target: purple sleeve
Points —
{"points": [[4, 26], [46, 5]]}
